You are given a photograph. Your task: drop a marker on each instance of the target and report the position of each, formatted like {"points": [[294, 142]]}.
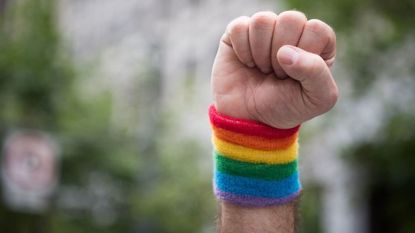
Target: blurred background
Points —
{"points": [[103, 116]]}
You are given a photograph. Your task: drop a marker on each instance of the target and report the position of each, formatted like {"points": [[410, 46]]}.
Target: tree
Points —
{"points": [[109, 181]]}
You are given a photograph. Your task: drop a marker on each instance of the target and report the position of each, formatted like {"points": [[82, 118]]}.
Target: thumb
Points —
{"points": [[319, 87]]}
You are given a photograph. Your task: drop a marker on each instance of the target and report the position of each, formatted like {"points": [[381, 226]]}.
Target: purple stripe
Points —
{"points": [[254, 201]]}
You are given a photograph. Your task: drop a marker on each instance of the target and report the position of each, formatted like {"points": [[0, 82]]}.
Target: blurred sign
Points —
{"points": [[29, 170]]}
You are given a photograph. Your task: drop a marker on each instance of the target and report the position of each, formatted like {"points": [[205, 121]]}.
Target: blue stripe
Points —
{"points": [[257, 187]]}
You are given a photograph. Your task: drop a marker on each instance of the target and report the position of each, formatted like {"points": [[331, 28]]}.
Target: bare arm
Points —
{"points": [[236, 219]]}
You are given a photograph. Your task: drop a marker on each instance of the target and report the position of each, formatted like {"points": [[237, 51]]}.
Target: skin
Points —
{"points": [[274, 69]]}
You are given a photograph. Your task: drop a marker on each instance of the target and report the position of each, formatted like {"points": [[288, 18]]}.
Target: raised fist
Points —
{"points": [[275, 69]]}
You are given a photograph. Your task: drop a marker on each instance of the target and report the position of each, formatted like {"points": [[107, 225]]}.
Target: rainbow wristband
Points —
{"points": [[255, 164]]}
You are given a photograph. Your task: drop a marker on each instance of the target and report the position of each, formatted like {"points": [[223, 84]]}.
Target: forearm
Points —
{"points": [[238, 219]]}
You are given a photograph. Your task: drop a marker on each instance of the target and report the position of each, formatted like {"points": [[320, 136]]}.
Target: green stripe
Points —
{"points": [[255, 170]]}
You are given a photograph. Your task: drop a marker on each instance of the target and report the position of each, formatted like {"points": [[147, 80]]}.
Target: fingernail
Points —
{"points": [[287, 55], [251, 64]]}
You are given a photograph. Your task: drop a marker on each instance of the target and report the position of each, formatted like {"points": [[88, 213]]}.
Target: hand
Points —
{"points": [[275, 69]]}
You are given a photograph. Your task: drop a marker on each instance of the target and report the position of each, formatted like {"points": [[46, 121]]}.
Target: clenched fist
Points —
{"points": [[275, 69]]}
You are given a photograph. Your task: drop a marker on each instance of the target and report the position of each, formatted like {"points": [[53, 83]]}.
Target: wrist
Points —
{"points": [[282, 119], [255, 164], [235, 109]]}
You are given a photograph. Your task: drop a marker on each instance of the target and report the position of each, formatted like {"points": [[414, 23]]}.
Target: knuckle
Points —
{"points": [[322, 30], [317, 26], [238, 25], [263, 19], [325, 35], [331, 31], [225, 39], [292, 17]]}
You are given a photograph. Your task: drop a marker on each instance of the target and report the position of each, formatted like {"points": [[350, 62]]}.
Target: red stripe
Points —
{"points": [[248, 127]]}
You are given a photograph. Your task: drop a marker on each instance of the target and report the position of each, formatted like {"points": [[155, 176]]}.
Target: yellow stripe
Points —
{"points": [[245, 154]]}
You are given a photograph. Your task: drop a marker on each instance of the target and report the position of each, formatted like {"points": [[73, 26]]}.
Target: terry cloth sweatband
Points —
{"points": [[255, 164]]}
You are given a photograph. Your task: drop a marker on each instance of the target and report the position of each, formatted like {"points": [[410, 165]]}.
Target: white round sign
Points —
{"points": [[29, 170]]}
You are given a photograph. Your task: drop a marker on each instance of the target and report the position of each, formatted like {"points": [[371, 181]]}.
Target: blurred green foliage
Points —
{"points": [[347, 14], [33, 77], [367, 30], [389, 162], [309, 210], [114, 182]]}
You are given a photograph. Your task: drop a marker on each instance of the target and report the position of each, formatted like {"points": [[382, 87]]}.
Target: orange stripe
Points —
{"points": [[255, 142], [246, 154]]}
